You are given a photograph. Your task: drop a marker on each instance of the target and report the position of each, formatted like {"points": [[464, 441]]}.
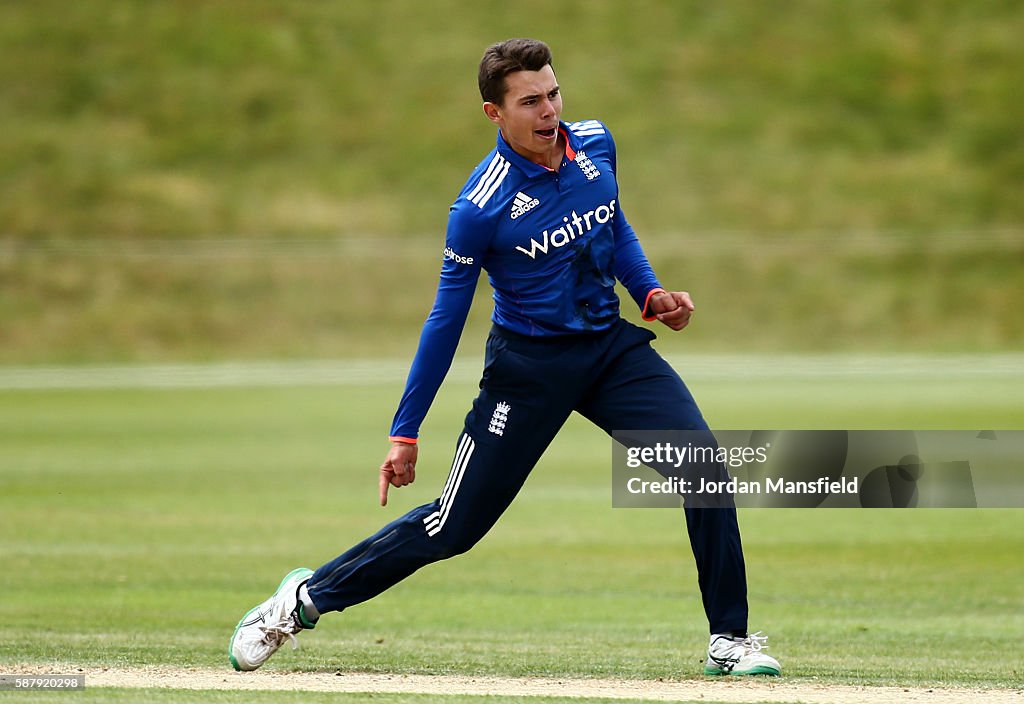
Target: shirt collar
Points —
{"points": [[531, 169]]}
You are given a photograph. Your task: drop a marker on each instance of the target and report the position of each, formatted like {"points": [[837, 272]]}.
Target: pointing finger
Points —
{"points": [[385, 482]]}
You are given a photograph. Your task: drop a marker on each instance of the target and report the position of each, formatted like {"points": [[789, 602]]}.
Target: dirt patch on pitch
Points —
{"points": [[753, 690]]}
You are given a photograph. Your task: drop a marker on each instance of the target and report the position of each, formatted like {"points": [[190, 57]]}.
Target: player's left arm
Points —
{"points": [[672, 308], [632, 268]]}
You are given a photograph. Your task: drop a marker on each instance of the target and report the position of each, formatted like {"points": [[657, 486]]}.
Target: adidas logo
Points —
{"points": [[523, 204]]}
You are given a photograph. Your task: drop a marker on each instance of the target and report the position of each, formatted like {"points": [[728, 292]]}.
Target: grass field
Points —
{"points": [[838, 184], [248, 117], [139, 523], [277, 299], [195, 181]]}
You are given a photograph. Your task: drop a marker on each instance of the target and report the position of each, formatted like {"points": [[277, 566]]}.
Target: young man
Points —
{"points": [[541, 214]]}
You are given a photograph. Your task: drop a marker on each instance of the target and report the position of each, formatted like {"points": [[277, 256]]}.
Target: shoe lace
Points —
{"points": [[755, 642], [275, 633]]}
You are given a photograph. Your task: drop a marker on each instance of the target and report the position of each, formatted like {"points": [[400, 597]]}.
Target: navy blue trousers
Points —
{"points": [[528, 389]]}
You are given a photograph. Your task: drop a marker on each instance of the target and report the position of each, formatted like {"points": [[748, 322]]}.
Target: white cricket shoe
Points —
{"points": [[266, 627], [734, 655]]}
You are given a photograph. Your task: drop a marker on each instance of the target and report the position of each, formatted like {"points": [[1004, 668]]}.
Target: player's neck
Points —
{"points": [[558, 152], [551, 159]]}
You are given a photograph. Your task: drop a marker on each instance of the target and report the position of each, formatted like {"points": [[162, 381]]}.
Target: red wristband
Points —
{"points": [[647, 301], [398, 438]]}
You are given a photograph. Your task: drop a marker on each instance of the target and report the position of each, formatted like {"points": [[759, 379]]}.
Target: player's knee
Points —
{"points": [[449, 543]]}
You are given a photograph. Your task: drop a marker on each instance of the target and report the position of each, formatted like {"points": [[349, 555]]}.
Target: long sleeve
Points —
{"points": [[465, 245], [631, 265]]}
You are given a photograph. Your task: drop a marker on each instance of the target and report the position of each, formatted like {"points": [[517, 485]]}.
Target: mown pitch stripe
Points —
{"points": [[718, 689], [212, 375], [1008, 366]]}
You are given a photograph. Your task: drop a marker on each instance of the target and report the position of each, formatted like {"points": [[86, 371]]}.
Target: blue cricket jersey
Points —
{"points": [[552, 242]]}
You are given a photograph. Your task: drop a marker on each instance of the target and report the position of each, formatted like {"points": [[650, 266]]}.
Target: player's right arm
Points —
{"points": [[399, 468], [465, 245]]}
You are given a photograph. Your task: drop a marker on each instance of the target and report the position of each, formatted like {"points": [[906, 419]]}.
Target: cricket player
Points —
{"points": [[542, 215]]}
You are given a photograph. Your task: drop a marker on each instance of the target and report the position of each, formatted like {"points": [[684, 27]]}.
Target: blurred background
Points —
{"points": [[249, 180]]}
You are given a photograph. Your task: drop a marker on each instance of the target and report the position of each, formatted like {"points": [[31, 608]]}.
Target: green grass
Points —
{"points": [[138, 525], [246, 117], [274, 299], [821, 176]]}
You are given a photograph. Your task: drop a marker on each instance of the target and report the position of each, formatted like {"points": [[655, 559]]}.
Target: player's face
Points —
{"points": [[528, 116]]}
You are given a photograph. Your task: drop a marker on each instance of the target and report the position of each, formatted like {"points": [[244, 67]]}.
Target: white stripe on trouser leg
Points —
{"points": [[435, 524], [465, 446], [450, 482], [436, 520], [451, 500]]}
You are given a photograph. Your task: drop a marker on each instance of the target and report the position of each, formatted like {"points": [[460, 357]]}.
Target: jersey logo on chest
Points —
{"points": [[586, 166], [573, 225], [522, 204]]}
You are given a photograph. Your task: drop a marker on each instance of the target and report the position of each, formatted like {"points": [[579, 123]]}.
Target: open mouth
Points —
{"points": [[546, 134]]}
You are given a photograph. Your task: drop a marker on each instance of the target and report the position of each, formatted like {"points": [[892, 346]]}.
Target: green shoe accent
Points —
{"points": [[231, 643], [306, 623], [756, 670]]}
